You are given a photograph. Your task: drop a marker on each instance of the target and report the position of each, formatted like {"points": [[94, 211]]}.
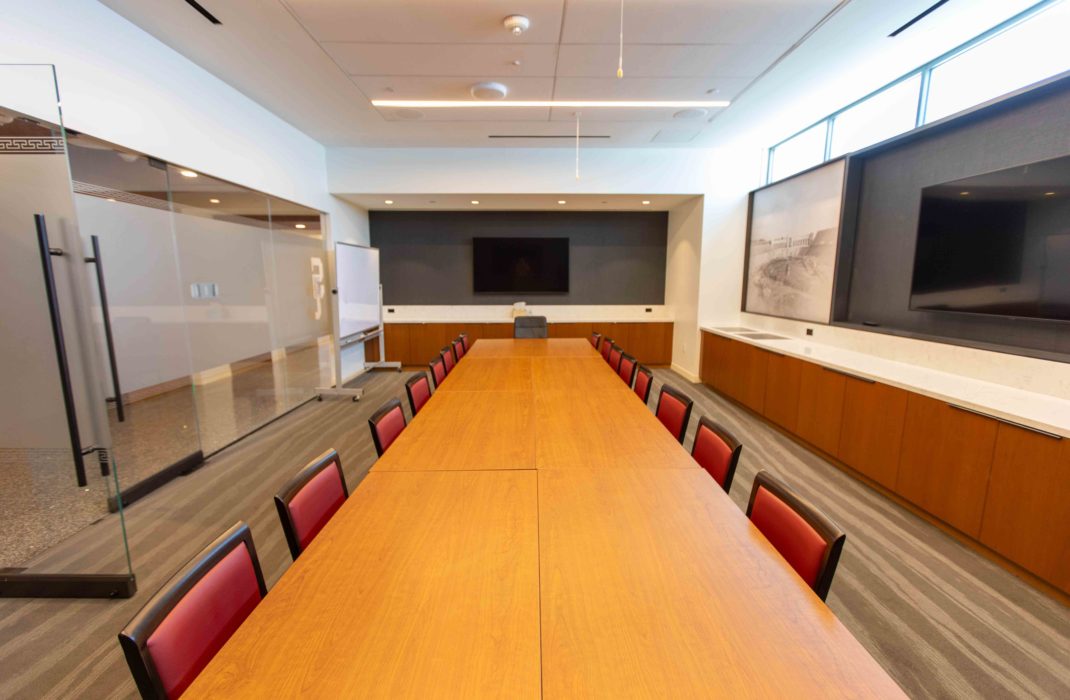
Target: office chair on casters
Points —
{"points": [[530, 327]]}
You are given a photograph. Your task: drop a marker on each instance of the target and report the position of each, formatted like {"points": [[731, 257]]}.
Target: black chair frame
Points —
{"points": [[431, 366], [134, 637], [413, 381], [635, 368], [294, 485], [824, 525], [649, 385]]}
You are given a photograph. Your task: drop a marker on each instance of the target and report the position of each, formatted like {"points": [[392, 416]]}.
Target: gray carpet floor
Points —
{"points": [[943, 620]]}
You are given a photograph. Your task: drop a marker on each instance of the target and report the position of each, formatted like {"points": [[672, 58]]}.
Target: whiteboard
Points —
{"points": [[357, 281]]}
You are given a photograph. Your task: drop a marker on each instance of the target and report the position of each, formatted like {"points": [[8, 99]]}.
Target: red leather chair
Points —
{"points": [[644, 380], [804, 536], [674, 411], [464, 341], [458, 349], [607, 345], [615, 353], [448, 360], [595, 339], [386, 424], [419, 390], [717, 451], [438, 371], [308, 501], [627, 369], [180, 629]]}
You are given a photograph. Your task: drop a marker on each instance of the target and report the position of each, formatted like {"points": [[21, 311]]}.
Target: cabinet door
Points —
{"points": [[820, 407], [782, 390], [396, 339], [752, 377], [945, 461], [872, 429], [714, 359], [1026, 517], [651, 343]]}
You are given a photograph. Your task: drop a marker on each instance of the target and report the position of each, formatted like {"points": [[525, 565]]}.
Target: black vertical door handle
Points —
{"points": [[108, 337]]}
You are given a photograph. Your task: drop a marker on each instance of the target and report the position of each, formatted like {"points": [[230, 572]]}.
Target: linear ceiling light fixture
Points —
{"points": [[575, 104]]}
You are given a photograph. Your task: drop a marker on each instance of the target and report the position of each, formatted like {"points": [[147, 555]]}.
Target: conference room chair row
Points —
{"points": [[177, 633], [807, 539]]}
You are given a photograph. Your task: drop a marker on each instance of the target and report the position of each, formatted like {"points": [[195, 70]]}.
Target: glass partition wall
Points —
{"points": [[198, 314]]}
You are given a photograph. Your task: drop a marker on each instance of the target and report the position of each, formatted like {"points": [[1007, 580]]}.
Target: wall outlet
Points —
{"points": [[649, 310], [390, 311], [809, 331]]}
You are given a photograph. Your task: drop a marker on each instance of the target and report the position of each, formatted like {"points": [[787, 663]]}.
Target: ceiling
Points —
{"points": [[520, 202], [319, 63]]}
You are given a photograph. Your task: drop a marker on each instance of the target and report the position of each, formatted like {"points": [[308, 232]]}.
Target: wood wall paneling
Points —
{"points": [[872, 429], [782, 390], [1026, 517], [820, 407], [945, 461]]}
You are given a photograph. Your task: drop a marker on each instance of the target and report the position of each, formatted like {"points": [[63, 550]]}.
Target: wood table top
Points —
{"points": [[425, 584], [466, 430], [532, 347], [553, 541], [654, 585]]}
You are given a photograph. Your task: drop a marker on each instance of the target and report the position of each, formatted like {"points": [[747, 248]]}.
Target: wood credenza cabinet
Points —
{"points": [[1003, 485], [414, 344]]}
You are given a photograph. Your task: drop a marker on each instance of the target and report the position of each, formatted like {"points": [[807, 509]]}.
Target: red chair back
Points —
{"points": [[458, 349], [595, 339], [448, 360], [308, 501], [644, 379], [464, 341], [627, 369], [717, 451], [181, 628], [615, 353], [419, 390], [607, 345], [809, 541], [674, 411], [386, 424], [438, 371]]}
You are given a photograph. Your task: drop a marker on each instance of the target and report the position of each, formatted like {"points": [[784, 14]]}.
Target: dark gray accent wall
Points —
{"points": [[1027, 128], [425, 258]]}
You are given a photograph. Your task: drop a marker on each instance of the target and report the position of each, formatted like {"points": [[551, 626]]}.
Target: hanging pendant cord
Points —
{"points": [[620, 61]]}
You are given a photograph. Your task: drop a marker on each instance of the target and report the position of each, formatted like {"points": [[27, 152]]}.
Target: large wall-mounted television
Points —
{"points": [[997, 244], [520, 265]]}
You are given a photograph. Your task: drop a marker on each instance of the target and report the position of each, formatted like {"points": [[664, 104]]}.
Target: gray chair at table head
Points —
{"points": [[529, 327]]}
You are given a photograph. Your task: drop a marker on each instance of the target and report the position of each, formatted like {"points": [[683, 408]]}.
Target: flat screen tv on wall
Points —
{"points": [[997, 244], [529, 265]]}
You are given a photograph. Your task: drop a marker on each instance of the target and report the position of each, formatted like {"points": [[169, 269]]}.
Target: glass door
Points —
{"points": [[57, 469]]}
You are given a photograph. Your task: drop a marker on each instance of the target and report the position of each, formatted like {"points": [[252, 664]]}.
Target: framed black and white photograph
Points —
{"points": [[793, 236]]}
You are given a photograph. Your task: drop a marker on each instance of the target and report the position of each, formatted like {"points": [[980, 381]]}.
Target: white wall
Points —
{"points": [[682, 273]]}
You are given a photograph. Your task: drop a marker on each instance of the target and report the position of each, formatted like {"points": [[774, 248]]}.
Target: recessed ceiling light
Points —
{"points": [[1049, 194], [475, 201], [213, 200], [516, 24], [579, 104], [561, 201], [187, 173], [964, 194], [300, 226], [111, 199], [389, 201], [488, 91], [646, 201]]}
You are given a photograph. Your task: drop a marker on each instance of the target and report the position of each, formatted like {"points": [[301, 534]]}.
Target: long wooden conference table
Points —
{"points": [[536, 532]]}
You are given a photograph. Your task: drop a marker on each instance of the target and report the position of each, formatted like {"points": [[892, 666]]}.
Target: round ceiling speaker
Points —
{"points": [[408, 114], [489, 91], [692, 113]]}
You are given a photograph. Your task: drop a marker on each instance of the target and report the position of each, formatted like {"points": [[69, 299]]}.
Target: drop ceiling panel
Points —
{"points": [[692, 21], [592, 119], [427, 21], [536, 60], [665, 60], [610, 88]]}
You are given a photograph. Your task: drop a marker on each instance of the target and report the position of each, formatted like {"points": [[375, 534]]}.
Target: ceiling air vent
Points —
{"points": [[205, 13], [919, 17]]}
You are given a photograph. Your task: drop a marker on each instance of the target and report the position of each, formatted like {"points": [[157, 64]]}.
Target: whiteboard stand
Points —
{"points": [[363, 337], [381, 332]]}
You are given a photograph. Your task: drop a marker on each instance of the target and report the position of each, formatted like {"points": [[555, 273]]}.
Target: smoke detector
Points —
{"points": [[489, 91], [517, 24]]}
